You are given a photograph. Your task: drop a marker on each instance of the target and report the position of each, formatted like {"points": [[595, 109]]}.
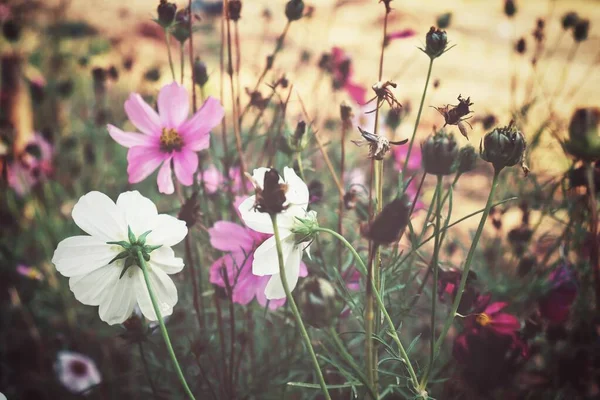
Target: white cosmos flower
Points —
{"points": [[86, 259], [266, 261], [76, 372]]}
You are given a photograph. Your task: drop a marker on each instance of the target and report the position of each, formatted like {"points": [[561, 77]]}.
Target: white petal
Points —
{"points": [[99, 216], [119, 300], [139, 211], [164, 290], [164, 258], [297, 192], [167, 230], [260, 222], [288, 217], [266, 261], [79, 255], [274, 289], [91, 288]]}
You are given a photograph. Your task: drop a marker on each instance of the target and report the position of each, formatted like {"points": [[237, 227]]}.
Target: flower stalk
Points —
{"points": [[435, 262], [168, 42], [161, 322], [295, 311]]}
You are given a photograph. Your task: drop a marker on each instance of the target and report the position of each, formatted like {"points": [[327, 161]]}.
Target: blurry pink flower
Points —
{"points": [[29, 272], [555, 305], [401, 34], [240, 243], [352, 279], [411, 192], [489, 317], [400, 153], [4, 12], [214, 180], [342, 75], [167, 136], [32, 166], [77, 372]]}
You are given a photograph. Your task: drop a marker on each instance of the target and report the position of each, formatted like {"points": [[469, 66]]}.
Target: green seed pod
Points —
{"points": [[504, 147], [440, 153], [318, 302]]}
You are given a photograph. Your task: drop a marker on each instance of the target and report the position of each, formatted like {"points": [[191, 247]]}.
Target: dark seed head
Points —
{"points": [[436, 41], [388, 226], [440, 153], [294, 10], [166, 13]]}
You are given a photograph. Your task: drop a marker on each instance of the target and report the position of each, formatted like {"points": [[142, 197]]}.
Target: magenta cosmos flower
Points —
{"points": [[343, 76], [489, 316], [168, 137], [214, 180], [240, 243]]}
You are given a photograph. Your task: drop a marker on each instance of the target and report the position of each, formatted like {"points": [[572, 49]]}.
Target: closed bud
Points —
{"points": [[439, 153], [390, 223], [436, 41], [504, 147], [443, 20], [584, 141], [318, 302], [569, 20], [200, 73], [510, 8], [467, 159], [581, 30], [521, 46], [234, 9], [181, 30], [346, 112], [294, 10], [166, 13]]}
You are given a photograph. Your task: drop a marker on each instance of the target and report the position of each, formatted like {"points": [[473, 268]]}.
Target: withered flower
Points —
{"points": [[200, 73], [383, 93], [257, 100], [389, 224], [457, 114], [521, 46], [510, 8], [378, 145], [581, 30], [271, 197]]}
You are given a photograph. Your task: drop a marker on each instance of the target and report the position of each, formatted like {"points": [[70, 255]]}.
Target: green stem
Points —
{"points": [[463, 282], [392, 328], [295, 311], [167, 37], [434, 263], [163, 328], [412, 139], [300, 167], [181, 55]]}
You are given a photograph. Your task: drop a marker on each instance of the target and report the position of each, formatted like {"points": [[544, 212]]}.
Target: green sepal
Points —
{"points": [[128, 263], [119, 256], [150, 248], [130, 235], [142, 239], [121, 243]]}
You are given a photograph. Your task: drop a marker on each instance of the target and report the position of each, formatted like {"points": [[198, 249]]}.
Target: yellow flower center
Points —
{"points": [[170, 140], [483, 319]]}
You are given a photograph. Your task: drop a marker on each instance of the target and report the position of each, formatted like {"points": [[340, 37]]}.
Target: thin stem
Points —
{"points": [[168, 42], [412, 139], [563, 75], [392, 329], [182, 60], [191, 51], [434, 263], [294, 309], [163, 328], [147, 369], [341, 205], [195, 291], [300, 167], [463, 281]]}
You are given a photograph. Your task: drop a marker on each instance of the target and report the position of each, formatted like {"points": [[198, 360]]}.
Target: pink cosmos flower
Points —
{"points": [[214, 180], [168, 137], [401, 34], [400, 153], [32, 166], [240, 243], [489, 317], [342, 75], [30, 272]]}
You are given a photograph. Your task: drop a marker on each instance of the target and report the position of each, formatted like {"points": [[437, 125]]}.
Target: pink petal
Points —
{"points": [[495, 307], [164, 179], [142, 161], [357, 92], [185, 163], [303, 270], [261, 284], [212, 179], [505, 324], [229, 236], [195, 130], [142, 115], [173, 105], [245, 289], [402, 34], [127, 139]]}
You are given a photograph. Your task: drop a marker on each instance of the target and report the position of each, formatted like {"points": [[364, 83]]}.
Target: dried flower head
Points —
{"points": [[457, 114], [440, 153], [389, 225], [200, 73], [504, 147], [257, 100], [510, 8], [383, 93], [378, 145], [443, 20], [521, 46]]}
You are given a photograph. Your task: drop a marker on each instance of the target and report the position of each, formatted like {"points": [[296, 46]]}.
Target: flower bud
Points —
{"points": [[510, 8], [294, 10], [318, 302], [200, 73], [389, 225], [504, 147], [166, 13], [439, 153], [181, 30], [581, 30], [467, 159], [435, 42], [569, 20], [584, 141], [521, 46], [443, 20], [234, 9]]}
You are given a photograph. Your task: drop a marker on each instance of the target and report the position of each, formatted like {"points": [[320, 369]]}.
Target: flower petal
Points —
{"points": [[229, 236], [505, 324], [164, 258], [165, 179], [262, 298], [99, 216], [164, 290], [119, 301], [90, 288], [495, 307], [274, 289], [297, 192], [142, 161], [260, 222], [266, 261], [139, 211], [173, 105], [197, 128], [167, 230], [142, 115], [127, 139], [78, 255], [185, 163], [212, 179]]}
